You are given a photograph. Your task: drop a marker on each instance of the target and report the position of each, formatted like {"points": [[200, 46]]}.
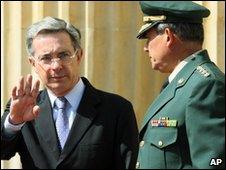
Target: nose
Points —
{"points": [[56, 64], [55, 60]]}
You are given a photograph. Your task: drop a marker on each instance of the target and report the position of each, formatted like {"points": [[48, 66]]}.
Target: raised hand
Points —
{"points": [[23, 101]]}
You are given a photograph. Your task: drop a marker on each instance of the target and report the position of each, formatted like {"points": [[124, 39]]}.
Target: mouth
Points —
{"points": [[57, 78]]}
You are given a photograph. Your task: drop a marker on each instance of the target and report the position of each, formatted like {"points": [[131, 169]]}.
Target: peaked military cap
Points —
{"points": [[170, 11]]}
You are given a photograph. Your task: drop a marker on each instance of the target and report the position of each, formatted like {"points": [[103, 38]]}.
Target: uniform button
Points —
{"points": [[141, 143], [160, 143], [180, 81], [137, 165]]}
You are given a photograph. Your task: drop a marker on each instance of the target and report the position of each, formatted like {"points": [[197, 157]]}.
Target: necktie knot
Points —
{"points": [[60, 102]]}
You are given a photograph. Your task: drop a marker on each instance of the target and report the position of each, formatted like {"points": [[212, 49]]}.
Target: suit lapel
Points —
{"points": [[180, 80], [85, 115], [45, 124]]}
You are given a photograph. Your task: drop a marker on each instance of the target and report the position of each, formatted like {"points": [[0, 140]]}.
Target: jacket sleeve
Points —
{"points": [[205, 124], [9, 146], [125, 156]]}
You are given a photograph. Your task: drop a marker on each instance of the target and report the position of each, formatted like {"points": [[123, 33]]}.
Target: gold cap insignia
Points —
{"points": [[154, 18]]}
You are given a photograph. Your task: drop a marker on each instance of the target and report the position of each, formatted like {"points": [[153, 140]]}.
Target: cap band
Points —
{"points": [[154, 18], [148, 19]]}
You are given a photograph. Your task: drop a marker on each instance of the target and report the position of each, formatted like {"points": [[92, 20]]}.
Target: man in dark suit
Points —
{"points": [[69, 124], [185, 125]]}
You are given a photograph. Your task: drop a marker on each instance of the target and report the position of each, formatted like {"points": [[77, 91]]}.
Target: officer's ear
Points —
{"points": [[170, 37]]}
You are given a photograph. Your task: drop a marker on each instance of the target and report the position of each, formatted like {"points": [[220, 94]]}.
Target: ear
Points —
{"points": [[170, 37], [80, 55], [32, 62]]}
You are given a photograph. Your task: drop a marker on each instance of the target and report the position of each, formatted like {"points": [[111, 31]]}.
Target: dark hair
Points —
{"points": [[185, 31]]}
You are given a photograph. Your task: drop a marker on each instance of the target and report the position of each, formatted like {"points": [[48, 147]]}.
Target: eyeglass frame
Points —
{"points": [[52, 60]]}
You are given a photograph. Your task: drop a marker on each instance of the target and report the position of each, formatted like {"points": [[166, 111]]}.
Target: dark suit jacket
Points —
{"points": [[196, 100], [104, 134]]}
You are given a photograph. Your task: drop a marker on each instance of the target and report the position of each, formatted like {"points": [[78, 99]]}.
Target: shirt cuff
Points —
{"points": [[11, 129]]}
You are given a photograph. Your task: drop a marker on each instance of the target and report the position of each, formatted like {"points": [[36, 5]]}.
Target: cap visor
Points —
{"points": [[144, 29]]}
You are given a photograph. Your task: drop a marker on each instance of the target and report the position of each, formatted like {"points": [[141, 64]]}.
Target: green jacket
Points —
{"points": [[185, 126]]}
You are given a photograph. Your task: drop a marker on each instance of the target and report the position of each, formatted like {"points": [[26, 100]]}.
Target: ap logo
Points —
{"points": [[215, 162]]}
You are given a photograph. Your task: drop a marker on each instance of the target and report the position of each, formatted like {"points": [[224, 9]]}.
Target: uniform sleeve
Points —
{"points": [[205, 124]]}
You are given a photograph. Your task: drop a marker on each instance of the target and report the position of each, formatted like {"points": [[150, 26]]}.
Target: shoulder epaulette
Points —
{"points": [[203, 71]]}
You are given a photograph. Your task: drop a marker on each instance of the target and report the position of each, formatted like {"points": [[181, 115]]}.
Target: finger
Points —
{"points": [[13, 94], [28, 83], [35, 89], [20, 89]]}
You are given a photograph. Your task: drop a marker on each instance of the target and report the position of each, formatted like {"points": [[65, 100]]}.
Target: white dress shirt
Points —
{"points": [[73, 97]]}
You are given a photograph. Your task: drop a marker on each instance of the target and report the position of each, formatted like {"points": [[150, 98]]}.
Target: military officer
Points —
{"points": [[184, 127]]}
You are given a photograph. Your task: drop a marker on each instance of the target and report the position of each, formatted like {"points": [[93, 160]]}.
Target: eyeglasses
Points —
{"points": [[62, 57]]}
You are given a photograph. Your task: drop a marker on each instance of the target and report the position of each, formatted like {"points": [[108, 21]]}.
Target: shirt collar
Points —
{"points": [[180, 66], [73, 97]]}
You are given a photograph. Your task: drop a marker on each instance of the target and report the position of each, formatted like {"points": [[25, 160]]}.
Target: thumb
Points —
{"points": [[36, 111], [32, 114]]}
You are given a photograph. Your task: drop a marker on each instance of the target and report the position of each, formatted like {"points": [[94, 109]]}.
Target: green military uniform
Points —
{"points": [[185, 125]]}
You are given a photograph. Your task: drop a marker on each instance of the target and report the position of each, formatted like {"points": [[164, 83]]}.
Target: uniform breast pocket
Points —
{"points": [[163, 141], [162, 137]]}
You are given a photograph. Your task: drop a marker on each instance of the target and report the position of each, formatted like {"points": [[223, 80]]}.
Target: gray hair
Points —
{"points": [[185, 31], [51, 25]]}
